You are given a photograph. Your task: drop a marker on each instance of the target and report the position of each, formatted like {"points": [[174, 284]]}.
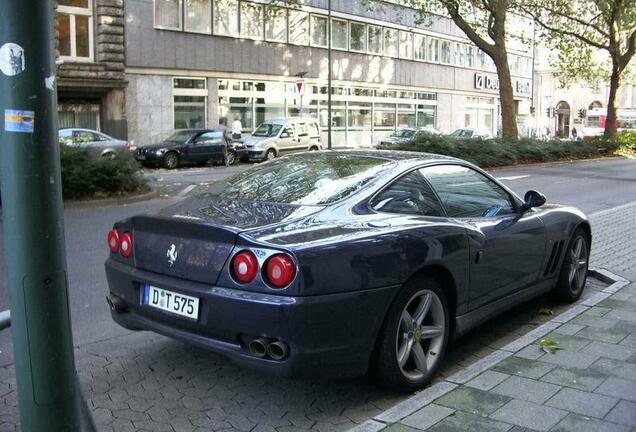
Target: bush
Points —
{"points": [[502, 152], [87, 176], [627, 140]]}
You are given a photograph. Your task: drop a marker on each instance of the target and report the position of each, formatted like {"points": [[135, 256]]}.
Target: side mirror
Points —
{"points": [[532, 199], [284, 135]]}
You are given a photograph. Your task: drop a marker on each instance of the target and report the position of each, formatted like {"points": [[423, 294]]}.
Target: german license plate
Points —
{"points": [[141, 157], [172, 302]]}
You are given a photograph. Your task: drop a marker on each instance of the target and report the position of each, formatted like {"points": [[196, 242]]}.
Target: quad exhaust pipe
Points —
{"points": [[263, 347]]}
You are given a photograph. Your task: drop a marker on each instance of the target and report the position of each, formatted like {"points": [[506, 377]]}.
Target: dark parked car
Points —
{"points": [[327, 264], [188, 146], [96, 142], [405, 135]]}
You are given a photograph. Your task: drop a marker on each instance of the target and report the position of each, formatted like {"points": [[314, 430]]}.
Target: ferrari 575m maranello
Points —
{"points": [[338, 263]]}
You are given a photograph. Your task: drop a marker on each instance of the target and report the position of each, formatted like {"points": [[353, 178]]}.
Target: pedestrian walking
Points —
{"points": [[574, 134], [237, 128]]}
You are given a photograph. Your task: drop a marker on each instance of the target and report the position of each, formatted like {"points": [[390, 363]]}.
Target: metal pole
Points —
{"points": [[35, 263], [329, 77]]}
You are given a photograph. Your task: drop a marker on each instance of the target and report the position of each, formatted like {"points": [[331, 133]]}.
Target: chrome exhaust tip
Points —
{"points": [[258, 347], [277, 350], [117, 304]]}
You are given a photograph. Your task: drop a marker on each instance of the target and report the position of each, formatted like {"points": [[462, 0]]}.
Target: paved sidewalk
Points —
{"points": [[587, 385]]}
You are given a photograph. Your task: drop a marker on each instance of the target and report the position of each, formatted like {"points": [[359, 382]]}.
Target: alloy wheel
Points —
{"points": [[578, 264], [420, 334]]}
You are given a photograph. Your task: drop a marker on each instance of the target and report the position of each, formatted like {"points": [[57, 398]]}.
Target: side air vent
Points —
{"points": [[557, 249]]}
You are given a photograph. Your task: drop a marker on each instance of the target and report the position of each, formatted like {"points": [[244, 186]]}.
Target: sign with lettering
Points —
{"points": [[523, 87], [487, 82]]}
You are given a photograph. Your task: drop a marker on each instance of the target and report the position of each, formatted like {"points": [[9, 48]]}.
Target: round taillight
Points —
{"points": [[125, 244], [245, 266], [113, 240], [280, 270]]}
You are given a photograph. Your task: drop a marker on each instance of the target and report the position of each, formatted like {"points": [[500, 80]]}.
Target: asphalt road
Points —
{"points": [[591, 185]]}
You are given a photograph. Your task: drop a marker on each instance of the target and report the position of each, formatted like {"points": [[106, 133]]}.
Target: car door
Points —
{"points": [[204, 146], [507, 247], [303, 141], [287, 139]]}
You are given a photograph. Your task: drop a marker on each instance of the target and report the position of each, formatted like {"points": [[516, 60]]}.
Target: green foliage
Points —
{"points": [[88, 176], [549, 346], [627, 140], [504, 152]]}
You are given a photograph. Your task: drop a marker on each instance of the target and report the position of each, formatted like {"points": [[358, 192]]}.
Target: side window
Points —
{"points": [[82, 137], [288, 132], [314, 131], [301, 129], [410, 194], [465, 192], [66, 137], [209, 138]]}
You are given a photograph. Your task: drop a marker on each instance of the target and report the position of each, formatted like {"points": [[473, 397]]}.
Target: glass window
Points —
{"points": [[188, 83], [210, 137], [406, 45], [189, 112], [229, 107], [410, 194], [75, 30], [82, 42], [168, 14], [338, 115], [458, 53], [406, 115], [425, 116], [251, 20], [384, 116], [420, 47], [432, 54], [466, 193], [64, 34], [470, 56], [198, 16], [445, 52], [226, 17], [318, 31], [276, 24], [339, 34], [73, 3], [299, 27], [304, 179], [390, 42], [374, 39], [360, 115], [358, 37], [480, 59]]}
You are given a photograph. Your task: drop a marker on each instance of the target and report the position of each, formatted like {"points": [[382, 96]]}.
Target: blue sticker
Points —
{"points": [[492, 211], [18, 121]]}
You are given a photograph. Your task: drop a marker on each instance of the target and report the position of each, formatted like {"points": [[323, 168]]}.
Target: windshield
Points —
{"points": [[179, 137], [308, 179], [404, 133], [267, 130]]}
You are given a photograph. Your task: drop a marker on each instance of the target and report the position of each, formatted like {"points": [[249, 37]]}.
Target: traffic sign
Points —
{"points": [[299, 87]]}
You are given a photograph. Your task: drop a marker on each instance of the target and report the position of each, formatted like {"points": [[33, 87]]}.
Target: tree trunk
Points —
{"points": [[611, 122], [506, 98]]}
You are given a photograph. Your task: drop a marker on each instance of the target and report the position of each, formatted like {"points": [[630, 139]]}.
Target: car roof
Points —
{"points": [[397, 155], [81, 130], [290, 119]]}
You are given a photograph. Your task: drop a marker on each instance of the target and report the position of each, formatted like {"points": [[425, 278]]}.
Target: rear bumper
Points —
{"points": [[328, 336]]}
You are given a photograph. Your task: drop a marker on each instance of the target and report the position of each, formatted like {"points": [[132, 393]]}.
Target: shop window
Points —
{"points": [[390, 42], [318, 31], [425, 116], [445, 52], [251, 20], [406, 116], [432, 46], [276, 24], [358, 37], [406, 45], [298, 27], [75, 29], [230, 107], [338, 114], [360, 116], [374, 43], [384, 116], [420, 47], [339, 34], [189, 112], [226, 14], [198, 16]]}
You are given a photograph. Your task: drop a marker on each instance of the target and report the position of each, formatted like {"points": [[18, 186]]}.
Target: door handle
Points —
{"points": [[478, 256]]}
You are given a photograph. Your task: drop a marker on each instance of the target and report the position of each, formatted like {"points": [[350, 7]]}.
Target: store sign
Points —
{"points": [[523, 87], [299, 87], [486, 82]]}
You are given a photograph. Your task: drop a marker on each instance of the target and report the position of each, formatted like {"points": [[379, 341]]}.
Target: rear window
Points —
{"points": [[307, 179]]}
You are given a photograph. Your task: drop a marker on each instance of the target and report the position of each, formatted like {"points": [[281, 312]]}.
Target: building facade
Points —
{"points": [[91, 65], [192, 63]]}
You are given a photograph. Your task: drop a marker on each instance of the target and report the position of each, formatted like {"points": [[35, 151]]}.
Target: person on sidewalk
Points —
{"points": [[237, 128]]}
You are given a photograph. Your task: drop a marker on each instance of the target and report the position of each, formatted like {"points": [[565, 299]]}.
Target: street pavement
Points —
{"points": [[141, 381]]}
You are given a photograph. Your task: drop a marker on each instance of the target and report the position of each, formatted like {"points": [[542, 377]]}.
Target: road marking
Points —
{"points": [[513, 177], [186, 190]]}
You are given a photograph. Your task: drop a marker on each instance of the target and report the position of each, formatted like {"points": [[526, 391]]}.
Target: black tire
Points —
{"points": [[270, 154], [313, 148], [230, 159], [573, 272], [385, 364], [171, 160]]}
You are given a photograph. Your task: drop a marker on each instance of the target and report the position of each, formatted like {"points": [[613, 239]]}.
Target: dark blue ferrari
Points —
{"points": [[338, 263]]}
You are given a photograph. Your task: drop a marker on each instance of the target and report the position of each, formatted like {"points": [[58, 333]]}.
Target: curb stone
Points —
{"points": [[128, 199], [428, 395]]}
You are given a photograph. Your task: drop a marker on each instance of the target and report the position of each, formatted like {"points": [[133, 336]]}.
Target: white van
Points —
{"points": [[273, 137]]}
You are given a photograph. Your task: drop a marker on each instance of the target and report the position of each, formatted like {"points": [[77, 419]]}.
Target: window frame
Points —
{"points": [[237, 17], [183, 18], [318, 17], [396, 32], [370, 199], [291, 11], [410, 43], [346, 22], [259, 6], [364, 51], [71, 12], [514, 199], [381, 36], [286, 13]]}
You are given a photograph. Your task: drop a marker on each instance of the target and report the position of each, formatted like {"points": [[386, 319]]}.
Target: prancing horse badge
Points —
{"points": [[172, 254]]}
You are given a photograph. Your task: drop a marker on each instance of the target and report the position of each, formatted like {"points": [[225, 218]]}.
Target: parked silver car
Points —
{"points": [[467, 133], [273, 137], [97, 142]]}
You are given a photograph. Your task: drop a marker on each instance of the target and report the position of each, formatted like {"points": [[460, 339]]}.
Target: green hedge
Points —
{"points": [[85, 175], [502, 152], [627, 140]]}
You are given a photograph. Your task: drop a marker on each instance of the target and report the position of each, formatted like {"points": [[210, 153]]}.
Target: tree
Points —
{"points": [[484, 23], [578, 28]]}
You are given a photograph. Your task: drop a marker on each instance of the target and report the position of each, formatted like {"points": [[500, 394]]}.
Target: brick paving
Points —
{"points": [[146, 382]]}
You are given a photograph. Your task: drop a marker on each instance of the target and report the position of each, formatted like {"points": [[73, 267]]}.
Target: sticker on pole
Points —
{"points": [[18, 121], [12, 61]]}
